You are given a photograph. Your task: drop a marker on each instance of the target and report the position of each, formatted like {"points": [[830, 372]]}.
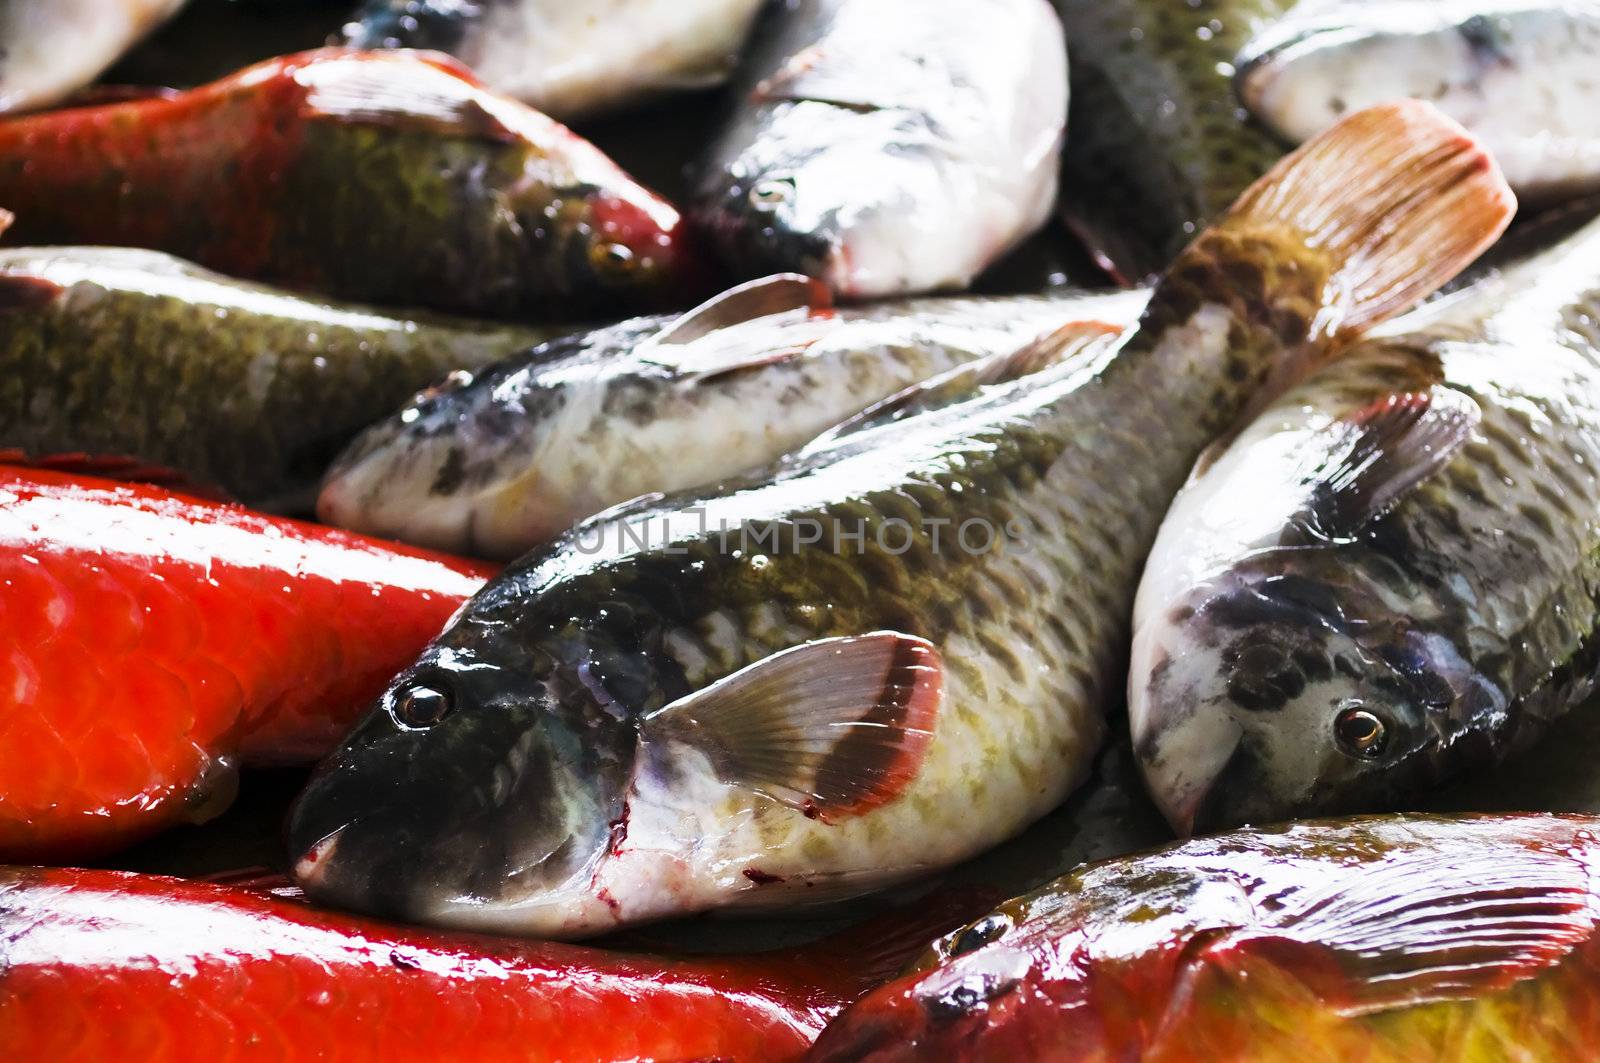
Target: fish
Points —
{"points": [[888, 147], [1159, 143], [53, 48], [156, 642], [784, 690], [507, 459], [97, 968], [1378, 938], [1515, 72], [570, 60], [383, 177], [237, 388], [1387, 581]]}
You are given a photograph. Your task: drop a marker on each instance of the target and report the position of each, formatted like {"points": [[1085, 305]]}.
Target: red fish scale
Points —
{"points": [[173, 633], [97, 970]]}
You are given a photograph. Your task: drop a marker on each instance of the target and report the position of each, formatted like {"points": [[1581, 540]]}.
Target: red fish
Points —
{"points": [[153, 641], [108, 965], [1387, 939], [390, 177]]}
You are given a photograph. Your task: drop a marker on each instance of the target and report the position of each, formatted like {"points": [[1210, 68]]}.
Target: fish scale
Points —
{"points": [[702, 721], [151, 642], [1481, 579]]}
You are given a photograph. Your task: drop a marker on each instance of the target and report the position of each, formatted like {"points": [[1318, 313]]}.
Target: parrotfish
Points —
{"points": [[570, 59], [120, 353], [156, 641], [1389, 579], [386, 177], [1387, 939], [895, 648], [889, 146], [498, 462]]}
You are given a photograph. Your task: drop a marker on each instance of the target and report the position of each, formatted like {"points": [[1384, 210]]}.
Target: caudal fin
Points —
{"points": [[1395, 200]]}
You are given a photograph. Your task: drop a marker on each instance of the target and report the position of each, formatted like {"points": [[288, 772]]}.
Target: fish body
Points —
{"points": [[1388, 580], [96, 968], [122, 352], [570, 60], [889, 147], [386, 177], [53, 48], [156, 642], [1159, 144], [1518, 73], [786, 689], [1382, 938], [513, 458]]}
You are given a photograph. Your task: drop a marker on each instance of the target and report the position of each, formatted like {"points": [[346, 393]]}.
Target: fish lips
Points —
{"points": [[415, 825], [759, 240]]}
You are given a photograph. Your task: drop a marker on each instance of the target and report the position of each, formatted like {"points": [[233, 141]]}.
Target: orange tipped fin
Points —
{"points": [[833, 728], [1397, 198]]}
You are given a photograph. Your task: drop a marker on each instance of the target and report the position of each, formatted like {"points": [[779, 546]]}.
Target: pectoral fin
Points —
{"points": [[757, 323], [1383, 452], [833, 728]]}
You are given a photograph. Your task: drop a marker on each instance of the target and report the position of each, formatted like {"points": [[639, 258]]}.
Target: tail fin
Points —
{"points": [[1359, 224], [1397, 199]]}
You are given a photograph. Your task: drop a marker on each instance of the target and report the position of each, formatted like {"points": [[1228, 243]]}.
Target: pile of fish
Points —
{"points": [[989, 443]]}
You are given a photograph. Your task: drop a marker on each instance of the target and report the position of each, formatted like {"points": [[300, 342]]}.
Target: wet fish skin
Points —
{"points": [[121, 352], [1382, 938], [384, 177], [552, 763], [1159, 145], [570, 60], [53, 48], [1454, 605], [498, 465], [95, 970], [157, 641], [888, 148], [1515, 72]]}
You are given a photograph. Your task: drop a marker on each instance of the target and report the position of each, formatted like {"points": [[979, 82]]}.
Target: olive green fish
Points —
{"points": [[895, 649], [1390, 580], [1158, 143], [510, 458], [129, 354]]}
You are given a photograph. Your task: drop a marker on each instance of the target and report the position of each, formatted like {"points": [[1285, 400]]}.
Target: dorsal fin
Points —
{"points": [[967, 381], [746, 327], [403, 92], [833, 728]]}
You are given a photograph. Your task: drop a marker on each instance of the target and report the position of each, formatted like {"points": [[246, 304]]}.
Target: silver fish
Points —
{"points": [[1389, 580], [889, 146], [893, 650], [570, 58], [1518, 73], [50, 49], [496, 464]]}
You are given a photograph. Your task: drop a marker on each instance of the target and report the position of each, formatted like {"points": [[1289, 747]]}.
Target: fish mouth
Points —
{"points": [[1185, 778]]}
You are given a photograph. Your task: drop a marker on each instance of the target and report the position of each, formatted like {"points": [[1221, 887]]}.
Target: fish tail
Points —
{"points": [[1359, 224]]}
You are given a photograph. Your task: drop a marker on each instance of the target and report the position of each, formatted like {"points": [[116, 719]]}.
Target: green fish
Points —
{"points": [[895, 649], [1389, 581], [118, 353], [1158, 145]]}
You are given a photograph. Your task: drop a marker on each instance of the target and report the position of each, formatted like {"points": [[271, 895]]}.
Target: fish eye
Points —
{"points": [[986, 930], [420, 707], [614, 257], [772, 193], [1360, 732]]}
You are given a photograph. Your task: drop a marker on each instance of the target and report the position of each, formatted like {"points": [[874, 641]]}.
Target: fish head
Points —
{"points": [[438, 25], [481, 464], [487, 784], [1302, 682]]}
